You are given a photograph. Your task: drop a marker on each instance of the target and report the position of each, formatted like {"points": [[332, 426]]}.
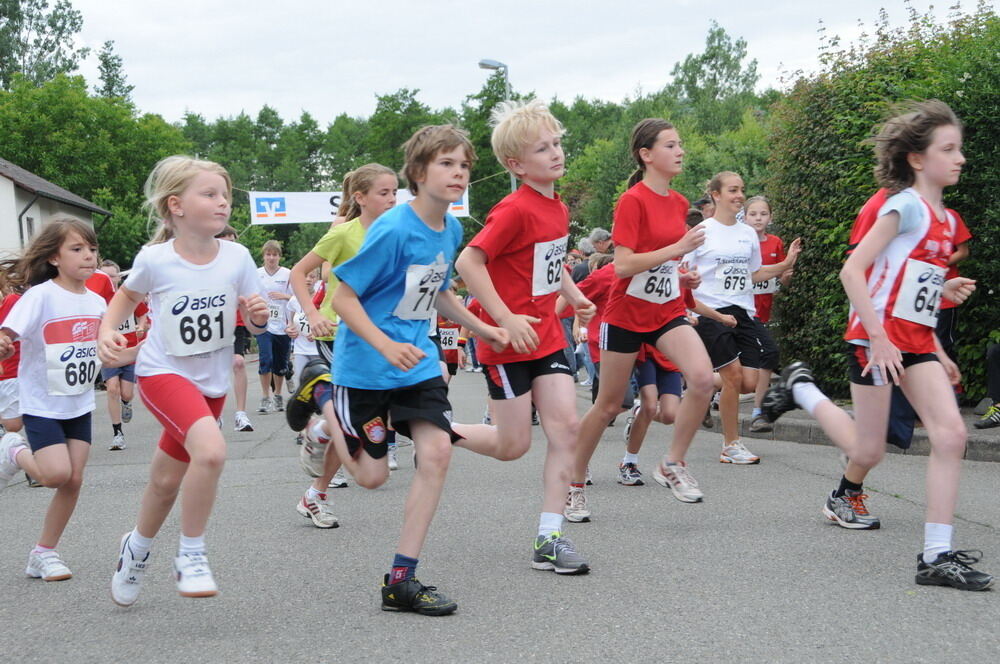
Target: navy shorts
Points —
{"points": [[274, 349], [45, 431], [667, 382], [123, 373]]}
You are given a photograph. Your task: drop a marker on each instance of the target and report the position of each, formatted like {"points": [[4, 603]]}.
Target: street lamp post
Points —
{"points": [[496, 65]]}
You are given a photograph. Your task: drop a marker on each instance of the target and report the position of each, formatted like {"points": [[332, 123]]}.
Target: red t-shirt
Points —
{"points": [[596, 287], [524, 240], [101, 283], [133, 337], [772, 250], [885, 276], [450, 356], [644, 222], [649, 352], [8, 369]]}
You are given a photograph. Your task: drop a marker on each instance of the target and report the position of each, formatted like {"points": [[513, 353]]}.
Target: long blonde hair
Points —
{"points": [[170, 177]]}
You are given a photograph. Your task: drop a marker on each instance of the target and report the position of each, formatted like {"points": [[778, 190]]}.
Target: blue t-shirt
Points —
{"points": [[397, 274]]}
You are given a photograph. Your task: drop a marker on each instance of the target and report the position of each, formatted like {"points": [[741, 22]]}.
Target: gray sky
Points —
{"points": [[219, 58]]}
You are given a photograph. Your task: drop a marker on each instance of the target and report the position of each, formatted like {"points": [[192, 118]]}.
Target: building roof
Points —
{"points": [[36, 185]]}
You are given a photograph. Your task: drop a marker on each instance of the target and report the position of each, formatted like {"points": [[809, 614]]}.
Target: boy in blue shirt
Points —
{"points": [[385, 366]]}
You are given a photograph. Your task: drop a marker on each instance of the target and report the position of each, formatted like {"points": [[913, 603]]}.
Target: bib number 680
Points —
{"points": [[80, 373]]}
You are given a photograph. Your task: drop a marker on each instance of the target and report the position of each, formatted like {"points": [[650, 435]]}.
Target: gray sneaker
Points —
{"points": [[849, 511], [558, 554], [279, 404], [126, 412], [265, 405]]}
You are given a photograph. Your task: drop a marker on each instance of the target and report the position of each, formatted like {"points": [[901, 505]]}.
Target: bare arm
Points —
{"points": [[319, 324], [471, 265], [449, 306], [111, 344], [629, 263], [401, 355]]}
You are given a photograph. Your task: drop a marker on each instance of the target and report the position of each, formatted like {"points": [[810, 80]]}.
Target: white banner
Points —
{"points": [[303, 207]]}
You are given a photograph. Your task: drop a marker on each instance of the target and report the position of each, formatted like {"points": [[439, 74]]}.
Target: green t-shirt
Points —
{"points": [[339, 245]]}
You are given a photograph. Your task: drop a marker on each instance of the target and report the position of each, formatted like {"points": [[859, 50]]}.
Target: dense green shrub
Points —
{"points": [[821, 172]]}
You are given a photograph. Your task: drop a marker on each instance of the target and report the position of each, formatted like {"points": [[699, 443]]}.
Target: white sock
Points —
{"points": [[191, 545], [755, 413], [630, 458], [319, 432], [312, 494], [549, 522], [14, 451], [808, 396], [138, 544], [937, 539]]}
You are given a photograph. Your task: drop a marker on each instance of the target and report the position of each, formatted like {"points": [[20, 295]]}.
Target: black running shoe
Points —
{"points": [[777, 401], [411, 595], [953, 568], [796, 372], [301, 405]]}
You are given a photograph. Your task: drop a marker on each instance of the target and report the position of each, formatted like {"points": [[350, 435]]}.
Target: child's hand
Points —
{"points": [[402, 356], [523, 337], [727, 320], [887, 358], [292, 331], [496, 337], [6, 346], [958, 289], [794, 250], [690, 278], [585, 310], [693, 239], [320, 325], [950, 368], [110, 347], [256, 308]]}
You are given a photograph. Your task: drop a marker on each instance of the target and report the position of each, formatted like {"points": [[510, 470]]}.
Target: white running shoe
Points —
{"points": [[675, 476], [265, 405], [8, 469], [318, 510], [339, 480], [194, 578], [312, 453], [576, 506], [241, 422], [127, 579], [738, 454], [393, 459], [118, 442], [126, 412], [47, 566]]}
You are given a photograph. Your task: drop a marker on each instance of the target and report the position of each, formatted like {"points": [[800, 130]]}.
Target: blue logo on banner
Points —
{"points": [[271, 207]]}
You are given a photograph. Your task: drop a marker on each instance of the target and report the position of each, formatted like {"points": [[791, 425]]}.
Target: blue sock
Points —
{"points": [[403, 568], [755, 413]]}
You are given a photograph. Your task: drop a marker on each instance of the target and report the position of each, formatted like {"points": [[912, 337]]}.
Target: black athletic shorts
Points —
{"points": [[241, 345], [857, 360], [511, 380], [364, 414], [727, 344], [770, 358], [622, 340]]}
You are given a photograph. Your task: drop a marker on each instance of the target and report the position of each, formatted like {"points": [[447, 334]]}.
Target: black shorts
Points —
{"points": [[241, 346], [857, 359], [364, 414], [770, 358], [511, 380], [324, 348], [437, 344], [727, 344], [622, 340], [45, 431], [452, 368]]}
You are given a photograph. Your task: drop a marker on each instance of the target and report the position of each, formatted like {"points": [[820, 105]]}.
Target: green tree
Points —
{"points": [[112, 74], [37, 42]]}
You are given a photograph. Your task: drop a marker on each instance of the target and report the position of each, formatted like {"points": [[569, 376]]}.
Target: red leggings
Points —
{"points": [[177, 404]]}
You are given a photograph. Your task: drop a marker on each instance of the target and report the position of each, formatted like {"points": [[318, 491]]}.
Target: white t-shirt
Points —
{"points": [[58, 332], [297, 319], [275, 282], [193, 308], [726, 261]]}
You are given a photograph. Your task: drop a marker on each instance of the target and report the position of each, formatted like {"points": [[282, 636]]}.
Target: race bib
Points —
{"points": [[920, 293], [197, 322], [732, 278], [548, 266], [71, 368], [658, 285], [420, 292], [302, 323], [128, 327], [273, 311], [768, 287], [449, 338]]}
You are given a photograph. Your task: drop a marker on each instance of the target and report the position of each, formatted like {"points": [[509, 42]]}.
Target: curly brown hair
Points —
{"points": [[908, 132]]}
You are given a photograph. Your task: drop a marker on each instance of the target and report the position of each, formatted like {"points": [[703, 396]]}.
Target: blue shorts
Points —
{"points": [[126, 372], [45, 431], [274, 350], [667, 382]]}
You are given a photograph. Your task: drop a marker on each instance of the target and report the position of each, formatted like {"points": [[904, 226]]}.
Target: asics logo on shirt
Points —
{"points": [[76, 353], [432, 277], [556, 365], [196, 303], [555, 251], [938, 278]]}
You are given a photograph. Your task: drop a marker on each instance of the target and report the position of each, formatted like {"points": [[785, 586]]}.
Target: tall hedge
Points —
{"points": [[821, 173]]}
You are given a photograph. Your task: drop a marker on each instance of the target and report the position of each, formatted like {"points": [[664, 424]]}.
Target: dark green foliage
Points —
{"points": [[821, 172]]}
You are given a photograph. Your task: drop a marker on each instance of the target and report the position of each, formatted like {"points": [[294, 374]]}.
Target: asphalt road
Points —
{"points": [[755, 573]]}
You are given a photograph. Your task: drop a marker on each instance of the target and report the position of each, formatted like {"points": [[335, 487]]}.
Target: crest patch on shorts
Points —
{"points": [[375, 430]]}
